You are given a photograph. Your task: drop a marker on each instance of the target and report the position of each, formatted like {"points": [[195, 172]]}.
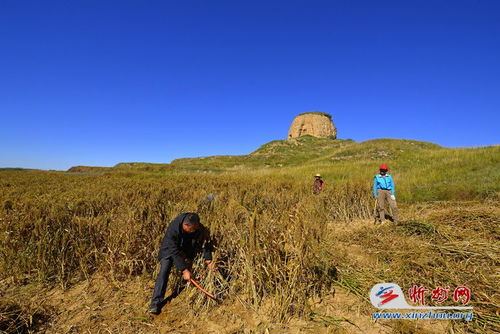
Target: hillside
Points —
{"points": [[278, 153], [424, 171], [307, 149], [284, 153], [79, 248]]}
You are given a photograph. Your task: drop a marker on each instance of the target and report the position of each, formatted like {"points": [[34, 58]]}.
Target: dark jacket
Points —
{"points": [[182, 246]]}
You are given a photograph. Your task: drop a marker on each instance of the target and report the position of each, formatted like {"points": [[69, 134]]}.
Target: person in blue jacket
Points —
{"points": [[184, 239], [383, 191]]}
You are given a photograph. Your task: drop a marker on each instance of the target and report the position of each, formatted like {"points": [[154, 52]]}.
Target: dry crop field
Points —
{"points": [[78, 253]]}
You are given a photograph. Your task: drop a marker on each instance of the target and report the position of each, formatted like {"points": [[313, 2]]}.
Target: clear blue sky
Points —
{"points": [[101, 82]]}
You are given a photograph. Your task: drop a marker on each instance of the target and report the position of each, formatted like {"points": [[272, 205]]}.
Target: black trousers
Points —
{"points": [[162, 281]]}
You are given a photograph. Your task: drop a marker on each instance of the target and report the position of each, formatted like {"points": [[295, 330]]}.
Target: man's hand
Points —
{"points": [[393, 197], [211, 264], [186, 274]]}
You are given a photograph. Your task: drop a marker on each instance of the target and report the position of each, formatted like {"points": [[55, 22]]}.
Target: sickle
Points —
{"points": [[196, 284]]}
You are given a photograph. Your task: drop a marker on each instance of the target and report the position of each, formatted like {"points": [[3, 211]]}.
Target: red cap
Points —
{"points": [[383, 167]]}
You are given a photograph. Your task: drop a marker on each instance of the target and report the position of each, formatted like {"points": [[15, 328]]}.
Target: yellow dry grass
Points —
{"points": [[278, 247]]}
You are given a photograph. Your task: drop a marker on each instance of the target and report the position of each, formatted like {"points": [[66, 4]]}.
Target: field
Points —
{"points": [[78, 248]]}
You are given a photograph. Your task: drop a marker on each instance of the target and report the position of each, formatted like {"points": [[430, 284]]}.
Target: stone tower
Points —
{"points": [[315, 123]]}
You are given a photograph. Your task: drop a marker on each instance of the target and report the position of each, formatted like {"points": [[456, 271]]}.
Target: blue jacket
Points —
{"points": [[385, 183]]}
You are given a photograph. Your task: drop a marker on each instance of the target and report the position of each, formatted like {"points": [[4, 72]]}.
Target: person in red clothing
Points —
{"points": [[318, 184]]}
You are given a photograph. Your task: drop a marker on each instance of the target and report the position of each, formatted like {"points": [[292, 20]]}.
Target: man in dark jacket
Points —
{"points": [[185, 237]]}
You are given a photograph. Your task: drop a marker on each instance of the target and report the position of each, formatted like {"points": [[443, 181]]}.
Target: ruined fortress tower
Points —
{"points": [[315, 123]]}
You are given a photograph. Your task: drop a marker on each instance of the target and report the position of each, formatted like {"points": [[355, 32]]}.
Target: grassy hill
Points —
{"points": [[78, 249], [308, 149], [423, 171], [278, 153]]}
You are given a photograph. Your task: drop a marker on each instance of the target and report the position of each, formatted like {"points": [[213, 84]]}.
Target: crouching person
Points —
{"points": [[184, 239]]}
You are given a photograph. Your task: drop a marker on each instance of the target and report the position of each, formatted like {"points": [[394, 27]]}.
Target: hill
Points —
{"points": [[284, 153], [79, 249], [278, 153], [423, 170], [307, 149]]}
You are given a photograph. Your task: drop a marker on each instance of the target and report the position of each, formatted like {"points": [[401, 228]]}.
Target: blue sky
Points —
{"points": [[102, 82]]}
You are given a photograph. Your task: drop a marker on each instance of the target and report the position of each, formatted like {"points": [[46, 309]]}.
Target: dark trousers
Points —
{"points": [[162, 281]]}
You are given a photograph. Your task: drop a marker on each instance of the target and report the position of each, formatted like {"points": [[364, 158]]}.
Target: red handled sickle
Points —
{"points": [[196, 284]]}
